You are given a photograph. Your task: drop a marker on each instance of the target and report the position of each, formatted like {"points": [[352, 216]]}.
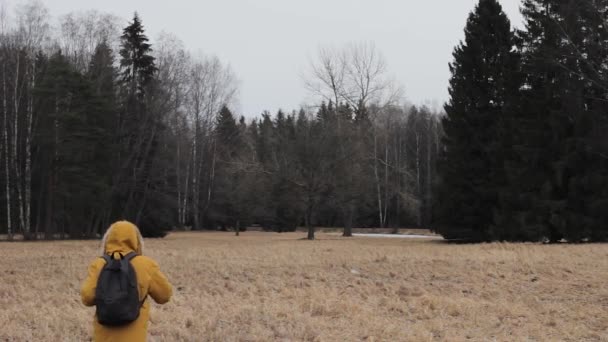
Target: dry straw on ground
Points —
{"points": [[276, 287]]}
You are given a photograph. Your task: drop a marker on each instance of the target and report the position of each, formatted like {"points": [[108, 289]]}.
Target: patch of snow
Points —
{"points": [[399, 236]]}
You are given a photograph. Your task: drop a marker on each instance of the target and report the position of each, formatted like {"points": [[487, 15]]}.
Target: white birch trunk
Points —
{"points": [[186, 194], [418, 185], [195, 175], [179, 185], [6, 158], [386, 187], [28, 151], [211, 177], [15, 158], [377, 178], [429, 184]]}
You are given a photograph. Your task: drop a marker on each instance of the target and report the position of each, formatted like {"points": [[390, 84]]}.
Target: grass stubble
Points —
{"points": [[277, 287]]}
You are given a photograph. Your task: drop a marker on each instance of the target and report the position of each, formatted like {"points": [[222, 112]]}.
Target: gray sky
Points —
{"points": [[268, 43]]}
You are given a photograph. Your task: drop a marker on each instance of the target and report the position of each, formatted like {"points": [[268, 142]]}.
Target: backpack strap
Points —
{"points": [[143, 301], [107, 258], [124, 265], [130, 256], [128, 259]]}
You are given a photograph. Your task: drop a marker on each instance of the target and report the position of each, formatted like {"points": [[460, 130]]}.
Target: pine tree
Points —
{"points": [[73, 145], [226, 132], [137, 63], [313, 151], [139, 131], [225, 211], [593, 180], [535, 203], [102, 78], [471, 167], [284, 191], [585, 158]]}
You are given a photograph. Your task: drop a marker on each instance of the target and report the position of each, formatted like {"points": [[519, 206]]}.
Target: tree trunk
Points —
{"points": [[418, 183], [50, 206], [146, 156], [211, 177], [429, 175], [6, 159], [311, 232], [309, 225], [386, 186], [238, 228], [178, 176], [186, 194], [28, 152], [195, 179], [48, 231], [399, 181], [15, 159], [377, 178], [40, 211], [348, 220]]}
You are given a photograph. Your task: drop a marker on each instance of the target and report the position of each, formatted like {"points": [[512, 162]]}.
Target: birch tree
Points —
{"points": [[211, 86], [79, 34], [357, 76]]}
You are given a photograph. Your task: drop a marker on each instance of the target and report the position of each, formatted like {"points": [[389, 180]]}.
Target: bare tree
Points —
{"points": [[356, 76], [5, 134], [34, 25], [173, 62], [211, 85], [79, 33], [20, 39]]}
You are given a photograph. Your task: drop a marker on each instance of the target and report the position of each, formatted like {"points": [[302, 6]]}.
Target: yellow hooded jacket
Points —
{"points": [[124, 237]]}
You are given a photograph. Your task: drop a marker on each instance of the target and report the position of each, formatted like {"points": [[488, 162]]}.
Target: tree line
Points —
{"points": [[525, 152], [99, 124]]}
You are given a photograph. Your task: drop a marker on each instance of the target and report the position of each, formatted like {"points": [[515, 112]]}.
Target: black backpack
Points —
{"points": [[117, 296]]}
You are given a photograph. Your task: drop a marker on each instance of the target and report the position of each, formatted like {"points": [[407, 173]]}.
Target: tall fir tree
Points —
{"points": [[138, 66], [564, 108], [225, 210], [74, 142], [102, 77], [588, 185], [534, 203], [140, 128], [471, 166], [226, 132]]}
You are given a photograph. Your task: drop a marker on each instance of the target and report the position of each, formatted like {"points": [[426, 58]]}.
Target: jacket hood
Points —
{"points": [[123, 237]]}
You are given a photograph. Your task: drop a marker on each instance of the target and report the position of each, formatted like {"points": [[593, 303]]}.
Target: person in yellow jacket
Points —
{"points": [[124, 237]]}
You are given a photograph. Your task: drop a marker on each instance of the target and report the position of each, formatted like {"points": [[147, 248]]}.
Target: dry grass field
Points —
{"points": [[277, 287]]}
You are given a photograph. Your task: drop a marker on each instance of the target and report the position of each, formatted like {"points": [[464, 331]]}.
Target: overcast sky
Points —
{"points": [[268, 43]]}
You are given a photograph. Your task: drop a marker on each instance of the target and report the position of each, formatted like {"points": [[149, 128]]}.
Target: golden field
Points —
{"points": [[278, 287]]}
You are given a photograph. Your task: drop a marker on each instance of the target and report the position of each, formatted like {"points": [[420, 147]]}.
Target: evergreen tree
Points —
{"points": [[287, 211], [137, 63], [140, 128], [471, 167], [73, 141], [588, 185], [313, 164], [102, 72], [102, 77], [227, 132], [533, 205], [225, 210], [563, 110]]}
